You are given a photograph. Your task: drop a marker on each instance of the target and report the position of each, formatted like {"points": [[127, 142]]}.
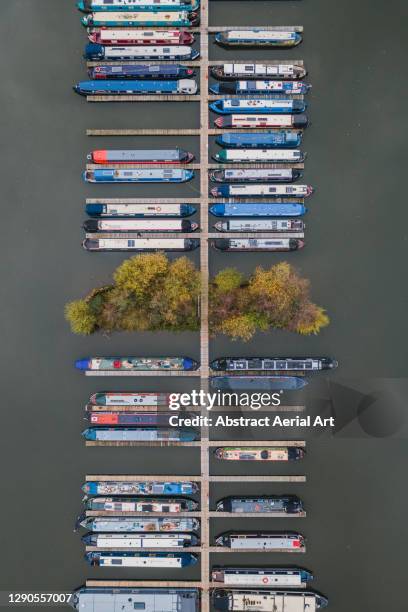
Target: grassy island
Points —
{"points": [[151, 293]]}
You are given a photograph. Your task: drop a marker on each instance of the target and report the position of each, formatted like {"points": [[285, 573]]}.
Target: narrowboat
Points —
{"points": [[256, 156], [273, 504], [136, 363], [256, 71], [124, 398], [139, 211], [130, 419], [274, 364], [89, 6], [262, 576], [265, 600], [261, 225], [135, 504], [266, 383], [151, 540], [253, 209], [139, 225], [255, 175], [277, 245], [143, 87], [268, 190], [140, 156], [236, 105], [135, 487], [97, 52], [138, 175], [140, 559], [288, 88], [153, 599], [258, 244], [141, 71], [141, 19], [118, 524], [259, 453], [139, 244], [254, 121], [258, 38], [134, 36], [139, 434], [281, 139], [257, 540]]}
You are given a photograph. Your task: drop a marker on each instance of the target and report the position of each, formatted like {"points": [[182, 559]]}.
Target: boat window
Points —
{"points": [[139, 605], [131, 243], [166, 49], [116, 561]]}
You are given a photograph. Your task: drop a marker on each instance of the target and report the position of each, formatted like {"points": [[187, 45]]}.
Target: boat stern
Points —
{"points": [[94, 51], [94, 210], [186, 210], [218, 210]]}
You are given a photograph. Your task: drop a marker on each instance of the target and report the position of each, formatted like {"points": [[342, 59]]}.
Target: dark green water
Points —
{"points": [[355, 257]]}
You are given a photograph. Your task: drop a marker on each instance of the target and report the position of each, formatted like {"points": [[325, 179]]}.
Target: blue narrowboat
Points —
{"points": [[236, 105], [247, 383], [138, 211], [141, 559], [144, 87], [289, 88], [135, 487], [96, 52], [141, 71], [139, 434], [89, 6], [156, 599], [139, 18], [139, 175], [253, 209], [258, 38], [281, 139]]}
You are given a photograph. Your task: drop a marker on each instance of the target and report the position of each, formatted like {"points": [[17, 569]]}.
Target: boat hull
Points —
{"points": [[140, 245], [138, 434], [273, 364], [141, 559], [249, 209], [151, 72], [136, 88], [144, 19], [139, 211], [115, 524], [95, 52], [256, 71], [136, 363], [282, 139], [288, 453], [252, 39], [286, 175], [137, 175], [103, 487], [134, 504]]}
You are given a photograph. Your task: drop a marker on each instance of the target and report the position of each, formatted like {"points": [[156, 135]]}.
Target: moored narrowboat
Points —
{"points": [[268, 190], [265, 600], [252, 106], [154, 526], [96, 52], [273, 504], [140, 559], [281, 139], [153, 599], [258, 244], [256, 383], [124, 398], [143, 87], [145, 245], [259, 453], [151, 540], [139, 434], [139, 225], [135, 504], [261, 576], [136, 363], [135, 36], [130, 419], [258, 540], [258, 38], [275, 364], [288, 88], [254, 156], [138, 175], [254, 121], [256, 71], [89, 6], [138, 211], [140, 156], [260, 225], [141, 71], [254, 209], [135, 487], [141, 18], [255, 175]]}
